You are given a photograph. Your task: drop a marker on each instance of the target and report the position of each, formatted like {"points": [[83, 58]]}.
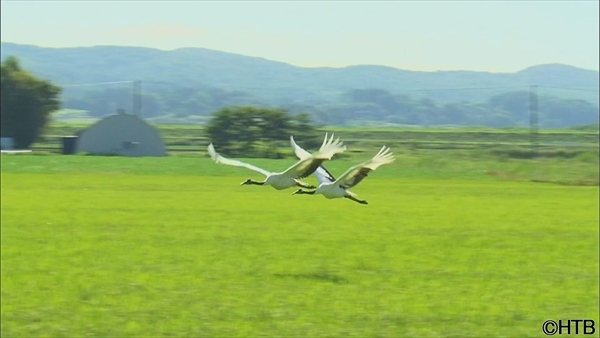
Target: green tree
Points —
{"points": [[26, 103], [256, 131]]}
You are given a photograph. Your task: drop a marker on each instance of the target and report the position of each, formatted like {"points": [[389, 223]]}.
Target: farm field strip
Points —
{"points": [[175, 247]]}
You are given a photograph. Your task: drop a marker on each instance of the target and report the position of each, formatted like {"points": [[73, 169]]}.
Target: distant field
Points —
{"points": [[111, 246], [562, 156], [180, 138]]}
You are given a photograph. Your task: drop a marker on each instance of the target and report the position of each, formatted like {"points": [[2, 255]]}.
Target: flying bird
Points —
{"points": [[291, 176], [338, 188]]}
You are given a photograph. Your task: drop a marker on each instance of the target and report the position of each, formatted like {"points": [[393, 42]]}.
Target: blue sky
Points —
{"points": [[495, 36]]}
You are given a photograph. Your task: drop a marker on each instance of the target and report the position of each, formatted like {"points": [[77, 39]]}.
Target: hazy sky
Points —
{"points": [[496, 36]]}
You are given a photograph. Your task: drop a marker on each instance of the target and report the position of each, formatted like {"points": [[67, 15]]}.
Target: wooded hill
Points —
{"points": [[192, 83]]}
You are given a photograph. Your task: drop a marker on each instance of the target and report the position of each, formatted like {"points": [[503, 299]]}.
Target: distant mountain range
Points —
{"points": [[237, 79], [276, 82]]}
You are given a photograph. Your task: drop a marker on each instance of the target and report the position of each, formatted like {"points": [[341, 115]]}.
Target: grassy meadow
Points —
{"points": [[465, 235]]}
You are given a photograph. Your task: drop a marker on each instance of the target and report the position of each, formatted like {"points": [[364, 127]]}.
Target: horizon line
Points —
{"points": [[305, 66]]}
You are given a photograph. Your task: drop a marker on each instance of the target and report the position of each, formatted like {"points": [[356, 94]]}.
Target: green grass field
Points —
{"points": [[115, 247]]}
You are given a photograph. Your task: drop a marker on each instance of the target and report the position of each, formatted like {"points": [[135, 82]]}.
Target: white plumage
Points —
{"points": [[332, 188], [290, 177]]}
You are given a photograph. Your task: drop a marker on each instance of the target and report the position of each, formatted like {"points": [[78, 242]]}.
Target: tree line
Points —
{"points": [[353, 107]]}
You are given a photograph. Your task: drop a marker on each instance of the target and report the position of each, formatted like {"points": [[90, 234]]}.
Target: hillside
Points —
{"points": [[268, 80], [195, 81]]}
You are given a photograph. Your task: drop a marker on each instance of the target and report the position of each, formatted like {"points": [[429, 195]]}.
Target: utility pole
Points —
{"points": [[533, 118], [137, 98]]}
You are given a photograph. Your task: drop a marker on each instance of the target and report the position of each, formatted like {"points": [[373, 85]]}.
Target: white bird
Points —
{"points": [[332, 188], [290, 177]]}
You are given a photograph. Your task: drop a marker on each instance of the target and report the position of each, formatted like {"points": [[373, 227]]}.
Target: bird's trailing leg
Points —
{"points": [[304, 185], [303, 192], [250, 181], [356, 199]]}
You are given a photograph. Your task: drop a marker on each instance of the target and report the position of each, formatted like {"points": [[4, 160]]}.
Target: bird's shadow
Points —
{"points": [[320, 276]]}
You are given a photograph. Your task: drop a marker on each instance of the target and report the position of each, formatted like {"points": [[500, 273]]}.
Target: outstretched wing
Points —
{"points": [[300, 153], [307, 166], [220, 159], [356, 174], [322, 174]]}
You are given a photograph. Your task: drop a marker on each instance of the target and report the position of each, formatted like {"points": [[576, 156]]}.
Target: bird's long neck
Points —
{"points": [[255, 182], [305, 192]]}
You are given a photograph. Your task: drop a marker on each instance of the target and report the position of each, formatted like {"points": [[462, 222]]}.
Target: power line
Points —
{"points": [[464, 88], [95, 84], [203, 86], [573, 88], [401, 90], [159, 82]]}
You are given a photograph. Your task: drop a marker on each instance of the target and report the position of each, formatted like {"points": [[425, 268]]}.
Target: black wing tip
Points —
{"points": [[330, 177]]}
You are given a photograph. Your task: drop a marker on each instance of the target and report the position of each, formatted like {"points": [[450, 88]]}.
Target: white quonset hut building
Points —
{"points": [[121, 134]]}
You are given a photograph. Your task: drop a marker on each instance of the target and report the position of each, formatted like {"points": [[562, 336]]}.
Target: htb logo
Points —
{"points": [[569, 326]]}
